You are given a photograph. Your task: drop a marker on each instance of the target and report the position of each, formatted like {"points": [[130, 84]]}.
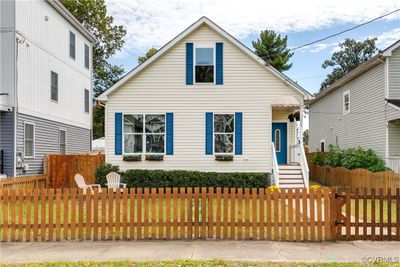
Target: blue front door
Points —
{"points": [[279, 137]]}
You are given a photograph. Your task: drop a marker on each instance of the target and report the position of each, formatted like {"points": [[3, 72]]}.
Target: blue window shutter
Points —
{"points": [[209, 133], [118, 133], [189, 63], [170, 133], [238, 133], [219, 73]]}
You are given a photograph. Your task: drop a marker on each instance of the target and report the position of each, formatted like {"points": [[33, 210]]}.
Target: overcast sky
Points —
{"points": [[151, 23]]}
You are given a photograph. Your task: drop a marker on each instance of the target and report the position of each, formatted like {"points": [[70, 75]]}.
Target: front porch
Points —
{"points": [[289, 164], [393, 145]]}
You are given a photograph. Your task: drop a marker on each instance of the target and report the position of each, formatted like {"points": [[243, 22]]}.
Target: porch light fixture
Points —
{"points": [[291, 117], [297, 116]]}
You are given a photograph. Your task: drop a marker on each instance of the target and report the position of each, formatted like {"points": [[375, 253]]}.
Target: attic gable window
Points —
{"points": [[204, 64]]}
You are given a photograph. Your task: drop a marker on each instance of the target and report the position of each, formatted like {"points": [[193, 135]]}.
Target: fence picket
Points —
{"points": [[182, 197], [319, 216], [254, 214], [327, 218], [73, 213], [304, 201], [28, 216], [210, 217], [276, 215], [88, 221], [312, 215], [298, 223], [261, 214], [389, 214], [398, 213], [13, 215], [103, 214], [203, 212], [21, 214], [218, 215], [146, 213], [196, 213], [225, 218], [6, 207], [65, 227], [240, 213], [290, 213], [160, 197], [175, 212], [139, 213], [247, 213], [356, 214], [348, 214], [373, 221], [117, 194], [132, 202], [96, 214], [153, 213], [80, 213], [380, 213], [189, 230], [283, 214], [232, 233], [365, 201], [168, 212]]}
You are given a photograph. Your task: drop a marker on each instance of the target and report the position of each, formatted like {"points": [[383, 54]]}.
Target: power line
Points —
{"points": [[347, 30]]}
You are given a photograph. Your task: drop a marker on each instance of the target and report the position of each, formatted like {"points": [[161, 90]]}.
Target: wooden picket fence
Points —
{"points": [[199, 213], [352, 179], [366, 214], [24, 182], [178, 213]]}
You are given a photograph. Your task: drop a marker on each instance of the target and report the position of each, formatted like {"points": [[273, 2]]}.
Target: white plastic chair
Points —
{"points": [[114, 181], [80, 181]]}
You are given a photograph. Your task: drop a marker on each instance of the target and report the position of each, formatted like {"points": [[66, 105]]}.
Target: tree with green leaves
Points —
{"points": [[93, 15], [272, 48], [149, 53], [352, 54]]}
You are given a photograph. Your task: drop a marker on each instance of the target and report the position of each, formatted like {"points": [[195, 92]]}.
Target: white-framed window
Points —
{"points": [[224, 133], [346, 102], [62, 142], [72, 45], [87, 56], [144, 133], [29, 140], [54, 86], [322, 145], [277, 140], [87, 100], [204, 63]]}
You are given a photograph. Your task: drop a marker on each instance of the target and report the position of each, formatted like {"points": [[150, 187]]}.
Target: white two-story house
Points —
{"points": [[362, 109], [206, 102], [45, 85]]}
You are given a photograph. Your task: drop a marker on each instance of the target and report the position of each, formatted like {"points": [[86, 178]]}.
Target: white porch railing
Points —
{"points": [[297, 155], [393, 163], [275, 167]]}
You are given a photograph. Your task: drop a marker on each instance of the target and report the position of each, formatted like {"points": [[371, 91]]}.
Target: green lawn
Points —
{"points": [[193, 263]]}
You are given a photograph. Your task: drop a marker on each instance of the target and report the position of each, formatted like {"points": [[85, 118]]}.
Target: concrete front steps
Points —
{"points": [[290, 176]]}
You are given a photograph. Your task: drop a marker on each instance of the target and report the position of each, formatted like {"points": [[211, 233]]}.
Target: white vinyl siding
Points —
{"points": [[394, 75], [29, 140], [248, 87]]}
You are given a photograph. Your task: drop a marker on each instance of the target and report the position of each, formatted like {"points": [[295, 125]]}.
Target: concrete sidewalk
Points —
{"points": [[197, 250]]}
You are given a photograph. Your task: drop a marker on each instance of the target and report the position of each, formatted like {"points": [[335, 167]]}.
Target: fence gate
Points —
{"points": [[366, 214]]}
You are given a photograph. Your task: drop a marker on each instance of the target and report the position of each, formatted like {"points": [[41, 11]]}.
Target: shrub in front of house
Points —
{"points": [[350, 158], [181, 178], [102, 171]]}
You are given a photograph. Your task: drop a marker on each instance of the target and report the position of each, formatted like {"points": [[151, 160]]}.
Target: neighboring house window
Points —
{"points": [[346, 102], [54, 86], [277, 139], [63, 142], [204, 64], [86, 56], [87, 102], [144, 131], [72, 45], [224, 131], [29, 140], [322, 145]]}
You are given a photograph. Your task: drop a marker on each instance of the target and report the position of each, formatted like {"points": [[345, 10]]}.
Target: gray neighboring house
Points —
{"points": [[45, 85], [362, 109]]}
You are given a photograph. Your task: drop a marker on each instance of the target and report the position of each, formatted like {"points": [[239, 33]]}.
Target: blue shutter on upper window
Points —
{"points": [[189, 63], [219, 73], [118, 133], [170, 133], [209, 133], [238, 133]]}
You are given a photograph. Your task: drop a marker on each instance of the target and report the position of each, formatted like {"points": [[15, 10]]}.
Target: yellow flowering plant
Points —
{"points": [[273, 188], [315, 188]]}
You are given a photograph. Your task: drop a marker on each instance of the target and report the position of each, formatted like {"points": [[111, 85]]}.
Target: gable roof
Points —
{"points": [[59, 7], [363, 68], [184, 34]]}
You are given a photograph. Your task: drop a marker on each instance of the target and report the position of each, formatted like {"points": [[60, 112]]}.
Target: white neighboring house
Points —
{"points": [[202, 96], [362, 109], [45, 85]]}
